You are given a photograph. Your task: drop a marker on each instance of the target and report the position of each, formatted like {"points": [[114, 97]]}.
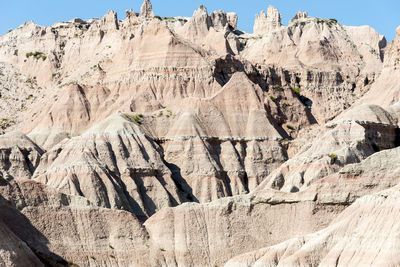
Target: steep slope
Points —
{"points": [[65, 230], [210, 234], [331, 64], [385, 90], [19, 156], [350, 138], [362, 235], [113, 164]]}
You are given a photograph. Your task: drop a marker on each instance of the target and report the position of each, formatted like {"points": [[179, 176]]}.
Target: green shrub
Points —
{"points": [[296, 90], [277, 86], [158, 17], [333, 157], [162, 249], [290, 127], [36, 55], [137, 118], [272, 98], [5, 122]]}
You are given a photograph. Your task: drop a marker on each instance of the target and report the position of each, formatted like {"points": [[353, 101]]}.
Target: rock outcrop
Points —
{"points": [[146, 10], [362, 235], [175, 141], [266, 23], [19, 156], [114, 165], [66, 230]]}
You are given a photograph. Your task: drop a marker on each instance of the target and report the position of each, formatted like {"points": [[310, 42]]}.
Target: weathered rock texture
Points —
{"points": [[174, 141], [266, 23], [362, 235]]}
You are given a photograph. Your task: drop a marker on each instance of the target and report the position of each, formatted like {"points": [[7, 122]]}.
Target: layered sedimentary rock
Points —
{"points": [[19, 156], [114, 165], [65, 230], [233, 220], [350, 138], [341, 244], [268, 136], [385, 89]]}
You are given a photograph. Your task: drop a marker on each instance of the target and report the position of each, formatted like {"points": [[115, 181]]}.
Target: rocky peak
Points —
{"points": [[299, 15], [232, 19], [269, 22], [221, 20], [200, 12], [110, 20], [132, 17], [398, 32], [147, 9]]}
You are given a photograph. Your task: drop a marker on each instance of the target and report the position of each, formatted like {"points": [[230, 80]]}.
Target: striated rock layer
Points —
{"points": [[174, 141]]}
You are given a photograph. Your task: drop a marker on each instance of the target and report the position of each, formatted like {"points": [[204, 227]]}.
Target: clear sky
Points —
{"points": [[383, 15]]}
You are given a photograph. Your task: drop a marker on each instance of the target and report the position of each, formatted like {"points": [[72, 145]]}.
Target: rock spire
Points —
{"points": [[147, 9], [266, 23]]}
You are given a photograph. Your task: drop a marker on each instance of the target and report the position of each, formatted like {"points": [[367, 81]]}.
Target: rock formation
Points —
{"points": [[146, 10], [175, 141], [266, 23]]}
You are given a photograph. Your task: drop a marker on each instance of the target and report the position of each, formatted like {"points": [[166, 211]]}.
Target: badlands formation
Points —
{"points": [[176, 141]]}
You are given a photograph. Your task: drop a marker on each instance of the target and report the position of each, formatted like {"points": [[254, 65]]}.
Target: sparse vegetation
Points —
{"points": [[138, 118], [5, 123], [332, 22], [290, 127], [273, 99], [333, 157], [111, 246], [296, 90], [93, 258], [160, 113], [37, 55], [112, 256], [162, 249], [285, 105], [277, 86], [158, 17]]}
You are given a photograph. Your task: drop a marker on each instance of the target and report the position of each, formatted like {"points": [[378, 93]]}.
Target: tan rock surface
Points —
{"points": [[273, 134], [362, 235], [114, 165], [64, 229]]}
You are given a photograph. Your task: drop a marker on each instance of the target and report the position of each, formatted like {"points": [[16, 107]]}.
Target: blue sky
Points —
{"points": [[383, 15]]}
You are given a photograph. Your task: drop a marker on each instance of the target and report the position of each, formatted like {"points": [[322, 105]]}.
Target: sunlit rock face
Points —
{"points": [[184, 141]]}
